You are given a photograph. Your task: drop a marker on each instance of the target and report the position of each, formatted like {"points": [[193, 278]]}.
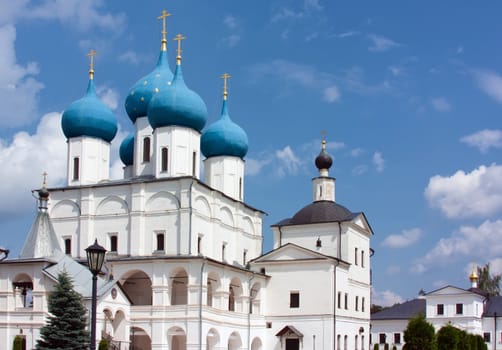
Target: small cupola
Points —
{"points": [[323, 185], [224, 137]]}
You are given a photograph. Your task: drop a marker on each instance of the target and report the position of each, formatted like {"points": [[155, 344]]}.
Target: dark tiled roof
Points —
{"points": [[319, 212], [493, 306], [402, 311]]}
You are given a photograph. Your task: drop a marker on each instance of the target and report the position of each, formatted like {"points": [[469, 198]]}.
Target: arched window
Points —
{"points": [[231, 299], [146, 149], [76, 168], [164, 159], [209, 301], [194, 162]]}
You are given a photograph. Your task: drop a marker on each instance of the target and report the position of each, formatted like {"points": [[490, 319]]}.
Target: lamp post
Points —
{"points": [[95, 260]]}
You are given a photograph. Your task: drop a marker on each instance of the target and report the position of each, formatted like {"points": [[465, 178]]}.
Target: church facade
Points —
{"points": [[184, 266]]}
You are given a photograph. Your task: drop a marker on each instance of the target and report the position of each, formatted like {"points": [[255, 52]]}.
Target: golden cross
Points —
{"points": [[163, 17], [45, 178], [323, 134], [225, 77], [91, 54], [178, 38]]}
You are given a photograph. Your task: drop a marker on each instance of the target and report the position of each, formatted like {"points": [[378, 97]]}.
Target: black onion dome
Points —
{"points": [[323, 160], [319, 212], [43, 193]]}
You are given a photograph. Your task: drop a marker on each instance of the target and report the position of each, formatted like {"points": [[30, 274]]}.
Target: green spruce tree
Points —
{"points": [[65, 327]]}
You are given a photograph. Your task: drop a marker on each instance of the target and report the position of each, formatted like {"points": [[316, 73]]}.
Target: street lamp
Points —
{"points": [[95, 260]]}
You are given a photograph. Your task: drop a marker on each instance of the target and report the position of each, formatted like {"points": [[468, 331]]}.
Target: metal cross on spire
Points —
{"points": [[163, 17], [178, 38], [91, 54], [225, 78]]}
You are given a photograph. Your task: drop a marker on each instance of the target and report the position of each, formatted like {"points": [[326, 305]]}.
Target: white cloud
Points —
{"points": [[84, 14], [393, 270], [360, 169], [490, 83], [286, 14], [19, 89], [378, 161], [381, 43], [441, 104], [495, 266], [484, 139], [231, 40], [230, 21], [482, 242], [312, 5], [460, 50], [347, 34], [474, 194], [133, 57], [299, 74], [331, 94], [356, 152], [385, 298], [109, 96], [255, 166], [26, 158], [289, 163], [311, 37], [404, 239], [396, 71]]}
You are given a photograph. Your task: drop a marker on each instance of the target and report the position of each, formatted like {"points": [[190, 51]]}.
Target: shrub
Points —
{"points": [[18, 343], [376, 347], [103, 345], [386, 346]]}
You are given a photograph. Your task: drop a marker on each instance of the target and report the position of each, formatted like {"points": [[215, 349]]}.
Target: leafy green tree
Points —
{"points": [[419, 334], [65, 327], [447, 338], [481, 343], [488, 282]]}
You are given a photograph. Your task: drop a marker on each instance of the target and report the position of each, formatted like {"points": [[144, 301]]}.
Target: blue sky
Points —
{"points": [[409, 93]]}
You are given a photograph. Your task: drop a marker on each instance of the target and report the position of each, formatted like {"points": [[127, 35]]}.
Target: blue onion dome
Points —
{"points": [[224, 137], [176, 104], [141, 93], [89, 116], [126, 150], [323, 160]]}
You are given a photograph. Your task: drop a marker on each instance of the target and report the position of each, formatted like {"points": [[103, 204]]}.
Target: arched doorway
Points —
{"points": [[234, 295], [177, 338], [256, 344], [179, 290], [234, 341], [212, 339], [140, 340], [137, 285]]}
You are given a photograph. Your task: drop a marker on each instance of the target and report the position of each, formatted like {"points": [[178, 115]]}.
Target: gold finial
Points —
{"points": [[225, 78], [474, 275], [163, 17], [91, 54], [178, 38], [323, 134]]}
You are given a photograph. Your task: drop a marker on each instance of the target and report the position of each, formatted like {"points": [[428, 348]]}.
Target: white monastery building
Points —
{"points": [[471, 310], [184, 266]]}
